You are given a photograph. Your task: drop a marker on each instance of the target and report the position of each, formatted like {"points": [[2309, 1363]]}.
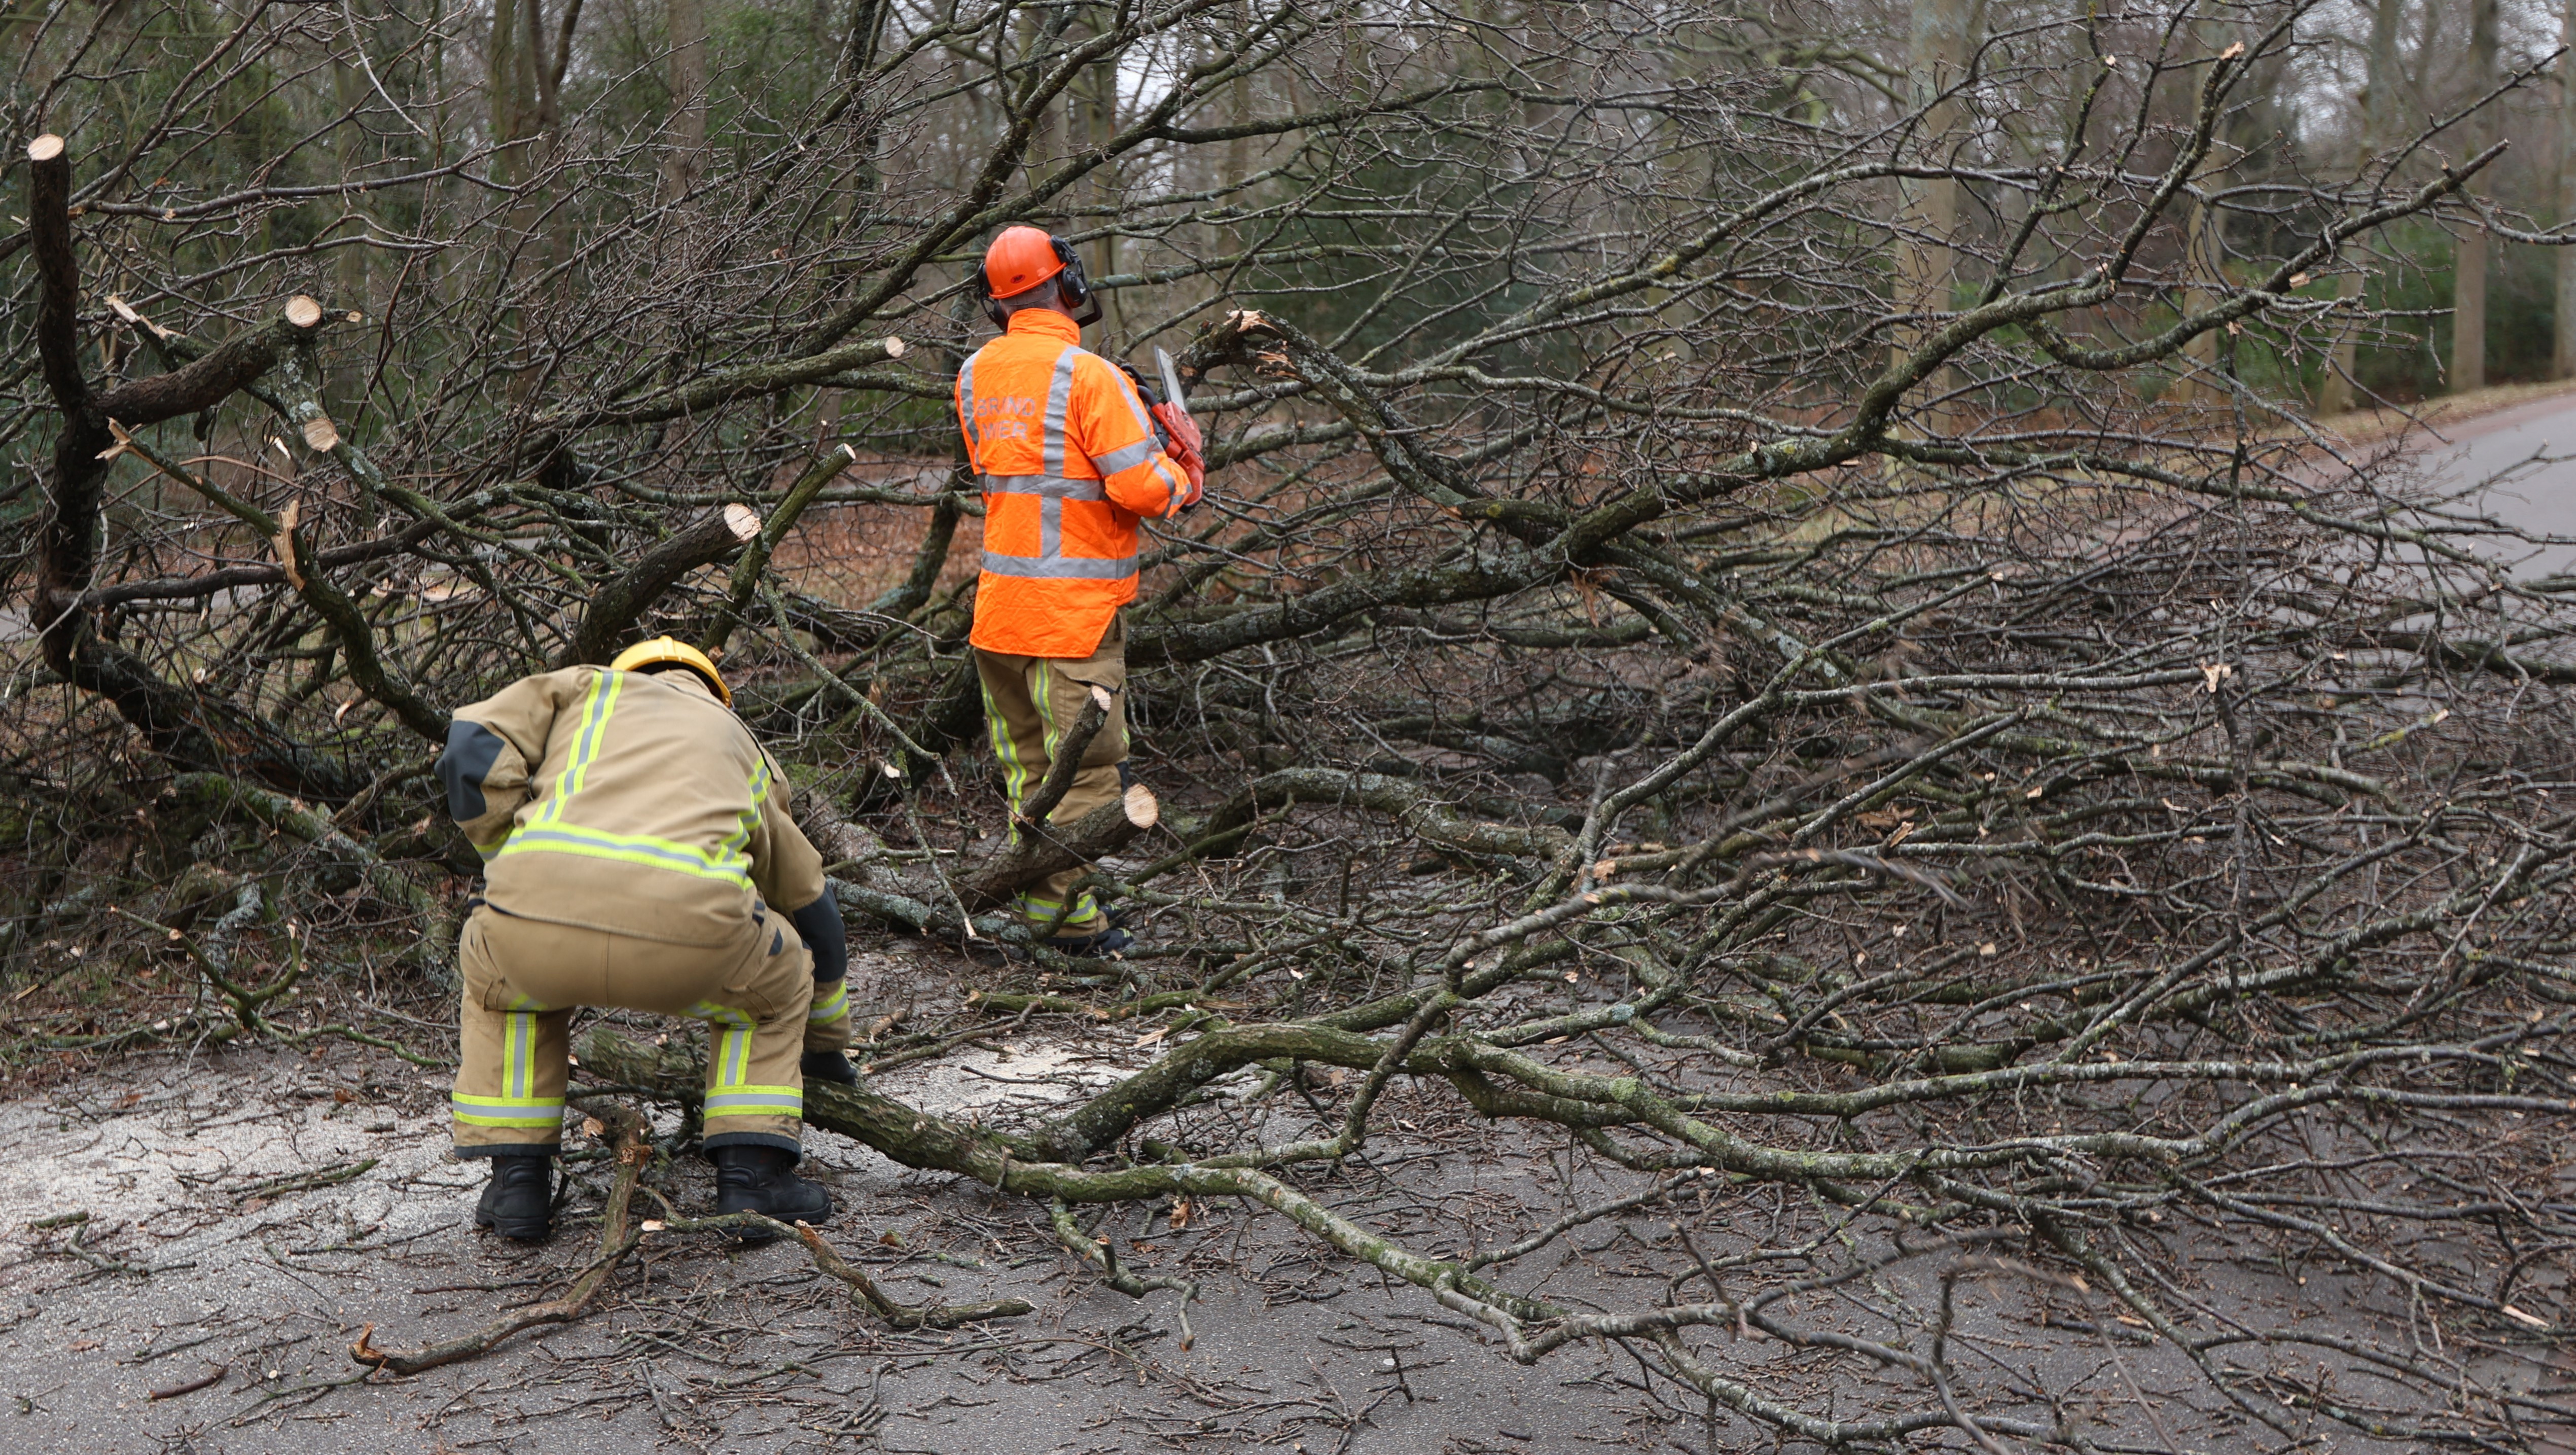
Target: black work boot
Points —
{"points": [[519, 1200], [759, 1179], [1109, 941], [829, 1066]]}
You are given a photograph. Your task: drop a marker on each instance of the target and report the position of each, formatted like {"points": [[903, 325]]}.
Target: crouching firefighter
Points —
{"points": [[1069, 454], [637, 852]]}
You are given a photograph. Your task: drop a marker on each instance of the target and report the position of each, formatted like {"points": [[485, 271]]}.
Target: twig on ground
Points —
{"points": [[628, 1131], [828, 1260]]}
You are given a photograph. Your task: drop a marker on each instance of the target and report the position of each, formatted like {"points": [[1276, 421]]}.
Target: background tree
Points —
{"points": [[2469, 285]]}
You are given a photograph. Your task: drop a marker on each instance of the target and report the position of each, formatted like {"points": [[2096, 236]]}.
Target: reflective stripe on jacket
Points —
{"points": [[1068, 461], [624, 802]]}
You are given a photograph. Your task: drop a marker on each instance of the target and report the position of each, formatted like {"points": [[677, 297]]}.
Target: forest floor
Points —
{"points": [[251, 1211]]}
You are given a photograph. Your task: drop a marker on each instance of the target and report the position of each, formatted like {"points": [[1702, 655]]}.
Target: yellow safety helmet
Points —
{"points": [[662, 652]]}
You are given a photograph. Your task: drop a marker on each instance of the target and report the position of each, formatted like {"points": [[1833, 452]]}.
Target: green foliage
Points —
{"points": [[2521, 289], [2409, 356]]}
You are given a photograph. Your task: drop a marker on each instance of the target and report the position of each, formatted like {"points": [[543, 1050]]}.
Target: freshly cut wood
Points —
{"points": [[624, 597], [303, 312], [321, 435], [45, 148], [125, 310], [1051, 848], [893, 347]]}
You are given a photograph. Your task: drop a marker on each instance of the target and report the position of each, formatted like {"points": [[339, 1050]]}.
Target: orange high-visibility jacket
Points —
{"points": [[1068, 462]]}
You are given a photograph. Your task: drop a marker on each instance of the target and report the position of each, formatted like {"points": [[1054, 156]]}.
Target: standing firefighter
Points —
{"points": [[638, 852], [1070, 454]]}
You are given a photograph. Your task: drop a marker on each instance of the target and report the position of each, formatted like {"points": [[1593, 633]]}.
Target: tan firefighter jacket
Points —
{"points": [[624, 802]]}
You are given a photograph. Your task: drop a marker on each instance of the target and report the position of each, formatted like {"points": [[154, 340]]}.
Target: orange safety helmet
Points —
{"points": [[1022, 258]]}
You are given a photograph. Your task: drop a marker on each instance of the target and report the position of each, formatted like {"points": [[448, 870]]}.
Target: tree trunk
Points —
{"points": [[2563, 360], [506, 80], [1942, 39], [2204, 258], [685, 162], [2378, 109], [2469, 253], [625, 597], [1052, 848], [2469, 312], [1095, 99], [536, 81], [349, 264], [2207, 259]]}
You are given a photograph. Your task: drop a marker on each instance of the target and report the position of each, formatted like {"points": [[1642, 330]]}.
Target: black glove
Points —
{"points": [[829, 1066], [819, 926]]}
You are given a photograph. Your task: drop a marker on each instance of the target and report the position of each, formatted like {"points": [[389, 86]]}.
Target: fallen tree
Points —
{"points": [[1878, 739]]}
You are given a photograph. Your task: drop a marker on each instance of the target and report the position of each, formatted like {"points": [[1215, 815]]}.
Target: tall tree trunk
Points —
{"points": [[349, 87], [2469, 253], [685, 162], [349, 264], [1094, 100], [2378, 129], [859, 47], [536, 80], [506, 80], [1941, 38], [1238, 151], [2204, 258], [866, 29], [2563, 361]]}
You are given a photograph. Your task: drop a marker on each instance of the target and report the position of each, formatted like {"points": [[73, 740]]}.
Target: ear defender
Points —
{"points": [[1074, 286], [1024, 258]]}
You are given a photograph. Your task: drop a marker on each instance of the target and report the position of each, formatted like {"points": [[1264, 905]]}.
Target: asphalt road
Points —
{"points": [[2526, 456]]}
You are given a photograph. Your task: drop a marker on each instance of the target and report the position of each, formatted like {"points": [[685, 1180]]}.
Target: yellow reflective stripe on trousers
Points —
{"points": [[546, 832], [506, 1111], [831, 1007], [723, 1015], [518, 1051], [1015, 770], [1035, 906], [1041, 698], [730, 1056], [515, 1107], [730, 1091], [756, 1101]]}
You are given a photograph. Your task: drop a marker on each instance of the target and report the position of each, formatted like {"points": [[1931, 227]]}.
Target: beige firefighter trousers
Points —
{"points": [[524, 978], [1029, 704]]}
